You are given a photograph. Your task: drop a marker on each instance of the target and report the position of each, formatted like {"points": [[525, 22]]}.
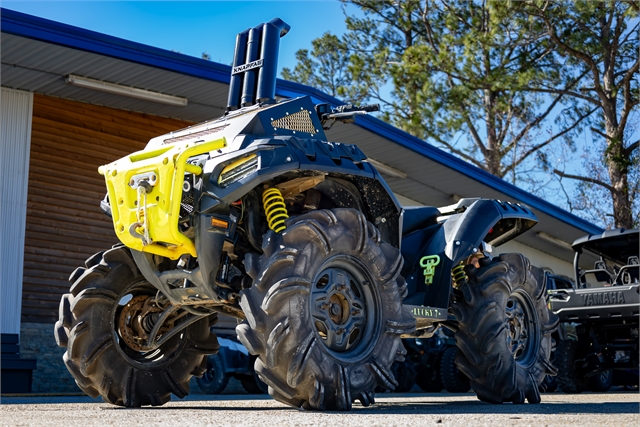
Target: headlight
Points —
{"points": [[238, 169]]}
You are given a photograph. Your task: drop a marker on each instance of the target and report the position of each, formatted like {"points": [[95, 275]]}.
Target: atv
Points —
{"points": [[597, 341], [231, 360], [256, 215]]}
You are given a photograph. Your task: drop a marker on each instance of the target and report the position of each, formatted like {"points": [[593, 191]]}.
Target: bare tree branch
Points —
{"points": [[628, 102], [460, 153], [533, 123], [627, 151], [602, 134], [548, 141], [564, 92], [587, 59], [586, 179]]}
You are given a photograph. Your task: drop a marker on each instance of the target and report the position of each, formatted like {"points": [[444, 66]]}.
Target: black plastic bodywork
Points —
{"points": [[459, 234], [282, 155]]}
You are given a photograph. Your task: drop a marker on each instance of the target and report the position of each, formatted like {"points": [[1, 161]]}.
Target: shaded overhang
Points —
{"points": [[38, 55]]}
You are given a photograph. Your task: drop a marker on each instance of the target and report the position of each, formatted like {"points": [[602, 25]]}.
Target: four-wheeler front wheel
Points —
{"points": [[102, 324], [505, 329], [324, 313]]}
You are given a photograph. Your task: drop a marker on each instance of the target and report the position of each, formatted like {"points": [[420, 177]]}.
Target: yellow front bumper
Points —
{"points": [[164, 169]]}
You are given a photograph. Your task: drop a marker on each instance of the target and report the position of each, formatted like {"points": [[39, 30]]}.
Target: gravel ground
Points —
{"points": [[619, 409]]}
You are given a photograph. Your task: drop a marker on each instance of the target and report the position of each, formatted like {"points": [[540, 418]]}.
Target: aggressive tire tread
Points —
{"points": [[293, 360], [93, 354], [485, 355]]}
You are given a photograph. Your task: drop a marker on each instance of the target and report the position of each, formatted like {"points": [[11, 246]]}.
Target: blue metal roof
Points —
{"points": [[32, 27]]}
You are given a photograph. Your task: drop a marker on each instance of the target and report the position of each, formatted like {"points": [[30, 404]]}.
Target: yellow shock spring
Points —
{"points": [[459, 276], [274, 209]]}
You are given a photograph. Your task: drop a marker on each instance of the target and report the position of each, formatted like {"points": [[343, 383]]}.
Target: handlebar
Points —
{"points": [[344, 113]]}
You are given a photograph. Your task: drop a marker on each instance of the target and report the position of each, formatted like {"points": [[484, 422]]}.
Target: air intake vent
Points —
{"points": [[255, 64], [201, 135], [299, 122]]}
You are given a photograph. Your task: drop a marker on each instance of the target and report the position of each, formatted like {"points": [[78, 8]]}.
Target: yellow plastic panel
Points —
{"points": [[169, 165]]}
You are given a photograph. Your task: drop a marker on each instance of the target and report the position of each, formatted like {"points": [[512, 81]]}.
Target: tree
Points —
{"points": [[325, 69], [600, 40], [451, 72]]}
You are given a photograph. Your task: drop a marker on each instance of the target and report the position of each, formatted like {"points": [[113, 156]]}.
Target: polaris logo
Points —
{"points": [[246, 67], [603, 298]]}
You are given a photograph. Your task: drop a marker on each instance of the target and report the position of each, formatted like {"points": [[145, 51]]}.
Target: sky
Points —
{"points": [[194, 27]]}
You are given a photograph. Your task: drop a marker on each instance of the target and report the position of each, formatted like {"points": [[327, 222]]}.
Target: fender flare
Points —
{"points": [[466, 226], [492, 221]]}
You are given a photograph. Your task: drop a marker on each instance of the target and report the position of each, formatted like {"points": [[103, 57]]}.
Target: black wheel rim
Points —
{"points": [[522, 332], [343, 306], [161, 356], [209, 376], [605, 376]]}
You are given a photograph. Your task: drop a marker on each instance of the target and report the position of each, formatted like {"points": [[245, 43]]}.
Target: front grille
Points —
{"points": [[186, 204]]}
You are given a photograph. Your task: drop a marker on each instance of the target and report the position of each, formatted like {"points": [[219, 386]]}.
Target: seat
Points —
{"points": [[601, 274], [630, 273]]}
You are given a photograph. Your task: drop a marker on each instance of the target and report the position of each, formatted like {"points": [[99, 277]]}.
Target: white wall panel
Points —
{"points": [[15, 139], [538, 258]]}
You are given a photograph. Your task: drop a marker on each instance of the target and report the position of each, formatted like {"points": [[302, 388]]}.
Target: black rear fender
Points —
{"points": [[431, 253], [492, 221]]}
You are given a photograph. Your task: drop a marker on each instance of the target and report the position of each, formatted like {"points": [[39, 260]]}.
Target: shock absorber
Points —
{"points": [[274, 209], [459, 276]]}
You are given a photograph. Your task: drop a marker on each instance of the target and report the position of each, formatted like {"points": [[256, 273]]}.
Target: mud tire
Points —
{"points": [[405, 374], [453, 380], [214, 380], [428, 379], [99, 360], [504, 295], [549, 384], [293, 359], [602, 382], [252, 384], [565, 361]]}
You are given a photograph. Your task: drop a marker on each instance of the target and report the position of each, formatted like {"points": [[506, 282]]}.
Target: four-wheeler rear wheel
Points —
{"points": [[99, 325], [564, 359], [405, 374], [429, 380], [253, 384], [453, 380], [549, 384], [505, 329], [601, 382], [324, 313], [215, 379]]}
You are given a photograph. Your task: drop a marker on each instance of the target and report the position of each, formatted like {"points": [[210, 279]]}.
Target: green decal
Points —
{"points": [[426, 312], [429, 264]]}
